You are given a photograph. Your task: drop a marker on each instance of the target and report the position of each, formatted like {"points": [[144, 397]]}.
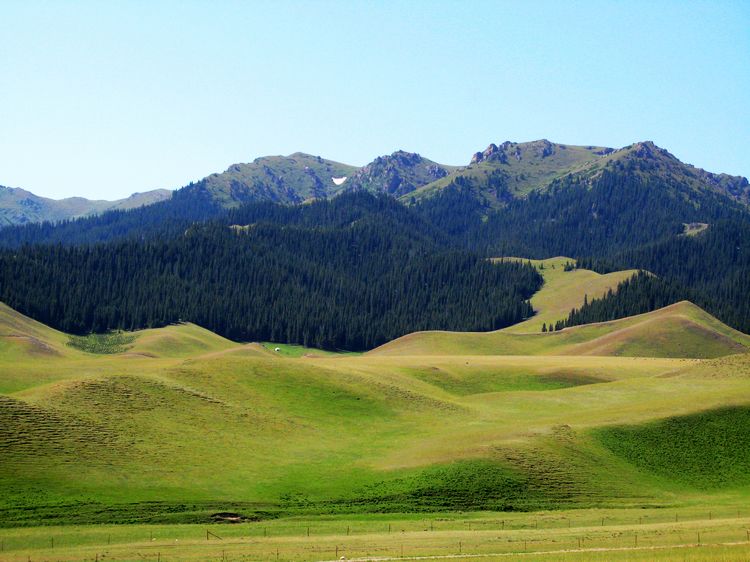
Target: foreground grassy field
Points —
{"points": [[675, 534], [597, 433]]}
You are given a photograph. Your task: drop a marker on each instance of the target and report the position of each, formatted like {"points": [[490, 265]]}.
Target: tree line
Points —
{"points": [[361, 280]]}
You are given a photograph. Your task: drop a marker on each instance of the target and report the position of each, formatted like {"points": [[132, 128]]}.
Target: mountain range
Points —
{"points": [[497, 175], [18, 206], [301, 249]]}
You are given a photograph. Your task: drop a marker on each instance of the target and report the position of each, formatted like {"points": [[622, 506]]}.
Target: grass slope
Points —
{"points": [[524, 167], [24, 338], [678, 330], [564, 291], [707, 450], [283, 179], [178, 425], [184, 425]]}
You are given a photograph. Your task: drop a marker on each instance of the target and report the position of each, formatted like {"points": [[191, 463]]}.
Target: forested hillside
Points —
{"points": [[360, 281], [364, 268], [711, 269]]}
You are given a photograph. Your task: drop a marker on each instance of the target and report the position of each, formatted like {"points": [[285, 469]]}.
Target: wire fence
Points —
{"points": [[362, 540]]}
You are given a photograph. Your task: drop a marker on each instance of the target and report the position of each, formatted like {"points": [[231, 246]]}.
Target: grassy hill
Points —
{"points": [[24, 338], [177, 424], [565, 290], [679, 330]]}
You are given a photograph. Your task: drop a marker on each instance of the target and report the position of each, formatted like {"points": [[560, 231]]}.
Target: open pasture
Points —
{"points": [[577, 443], [687, 533]]}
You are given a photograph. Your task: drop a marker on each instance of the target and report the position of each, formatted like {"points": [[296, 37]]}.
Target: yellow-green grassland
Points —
{"points": [[625, 440]]}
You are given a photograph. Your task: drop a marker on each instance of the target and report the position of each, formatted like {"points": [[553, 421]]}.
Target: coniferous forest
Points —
{"points": [[359, 269], [359, 281], [641, 293]]}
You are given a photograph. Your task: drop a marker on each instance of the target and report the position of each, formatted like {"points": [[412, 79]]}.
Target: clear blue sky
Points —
{"points": [[102, 98]]}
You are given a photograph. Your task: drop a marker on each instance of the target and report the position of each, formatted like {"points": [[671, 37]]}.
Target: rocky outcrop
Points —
{"points": [[396, 174]]}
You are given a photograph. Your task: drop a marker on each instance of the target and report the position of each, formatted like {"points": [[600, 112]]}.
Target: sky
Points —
{"points": [[103, 99]]}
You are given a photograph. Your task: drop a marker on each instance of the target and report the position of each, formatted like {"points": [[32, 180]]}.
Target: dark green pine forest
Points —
{"points": [[359, 269], [359, 278]]}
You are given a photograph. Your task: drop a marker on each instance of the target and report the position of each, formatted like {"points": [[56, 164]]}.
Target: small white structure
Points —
{"points": [[339, 181]]}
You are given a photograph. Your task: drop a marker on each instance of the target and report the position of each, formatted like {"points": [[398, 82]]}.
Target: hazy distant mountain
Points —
{"points": [[18, 206]]}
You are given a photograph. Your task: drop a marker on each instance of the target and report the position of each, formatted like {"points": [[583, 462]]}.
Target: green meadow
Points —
{"points": [[620, 440]]}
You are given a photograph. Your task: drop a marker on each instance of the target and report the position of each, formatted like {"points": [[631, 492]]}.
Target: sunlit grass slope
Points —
{"points": [[678, 330], [183, 425], [565, 290], [22, 337], [179, 340], [527, 167]]}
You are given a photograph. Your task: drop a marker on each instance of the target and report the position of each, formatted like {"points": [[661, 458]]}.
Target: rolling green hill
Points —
{"points": [[678, 330], [565, 290], [175, 424]]}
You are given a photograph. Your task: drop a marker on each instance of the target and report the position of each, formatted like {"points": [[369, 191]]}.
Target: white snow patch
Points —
{"points": [[339, 181]]}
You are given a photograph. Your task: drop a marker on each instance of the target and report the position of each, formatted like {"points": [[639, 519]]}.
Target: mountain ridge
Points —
{"points": [[499, 174], [19, 206], [513, 170]]}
